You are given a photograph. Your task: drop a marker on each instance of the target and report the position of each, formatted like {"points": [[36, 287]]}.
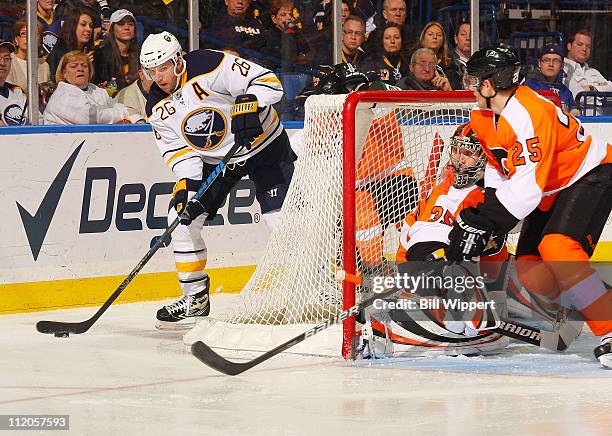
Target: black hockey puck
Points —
{"points": [[61, 334]]}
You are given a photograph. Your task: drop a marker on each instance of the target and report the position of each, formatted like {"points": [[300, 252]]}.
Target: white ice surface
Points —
{"points": [[125, 378]]}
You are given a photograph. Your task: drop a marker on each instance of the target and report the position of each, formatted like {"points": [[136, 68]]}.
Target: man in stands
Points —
{"points": [[579, 75], [12, 99], [236, 31], [546, 78], [52, 26], [462, 51], [353, 36], [393, 12], [423, 74]]}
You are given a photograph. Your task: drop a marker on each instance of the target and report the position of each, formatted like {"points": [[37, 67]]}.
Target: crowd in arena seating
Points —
{"points": [[287, 36]]}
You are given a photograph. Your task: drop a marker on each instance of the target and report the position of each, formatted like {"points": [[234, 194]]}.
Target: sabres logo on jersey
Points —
{"points": [[204, 128], [14, 115]]}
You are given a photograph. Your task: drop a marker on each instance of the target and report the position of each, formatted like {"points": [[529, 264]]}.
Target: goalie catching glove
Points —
{"points": [[246, 125], [186, 208], [469, 236]]}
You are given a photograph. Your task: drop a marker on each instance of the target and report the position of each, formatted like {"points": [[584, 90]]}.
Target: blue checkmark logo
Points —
{"points": [[37, 225]]}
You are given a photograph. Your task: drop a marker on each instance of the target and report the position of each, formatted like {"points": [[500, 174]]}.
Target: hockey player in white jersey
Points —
{"points": [[199, 105]]}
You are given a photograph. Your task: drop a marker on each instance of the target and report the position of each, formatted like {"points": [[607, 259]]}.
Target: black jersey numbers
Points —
{"points": [[199, 91], [165, 110], [241, 66]]}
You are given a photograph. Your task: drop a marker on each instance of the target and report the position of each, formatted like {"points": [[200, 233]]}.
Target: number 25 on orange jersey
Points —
{"points": [[533, 147]]}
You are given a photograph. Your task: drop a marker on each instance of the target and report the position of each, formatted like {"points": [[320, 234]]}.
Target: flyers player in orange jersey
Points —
{"points": [[545, 169], [424, 231]]}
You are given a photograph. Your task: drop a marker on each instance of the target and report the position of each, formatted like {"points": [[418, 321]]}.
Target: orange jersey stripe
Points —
{"points": [[537, 148]]}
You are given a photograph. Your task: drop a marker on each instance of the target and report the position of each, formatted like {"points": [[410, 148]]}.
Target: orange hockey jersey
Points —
{"points": [[534, 150], [434, 217]]}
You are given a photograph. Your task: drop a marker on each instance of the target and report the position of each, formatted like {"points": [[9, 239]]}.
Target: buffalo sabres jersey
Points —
{"points": [[193, 124], [13, 110]]}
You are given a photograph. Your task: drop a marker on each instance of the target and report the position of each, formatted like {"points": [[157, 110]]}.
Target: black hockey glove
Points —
{"points": [[246, 125], [187, 209], [469, 236]]}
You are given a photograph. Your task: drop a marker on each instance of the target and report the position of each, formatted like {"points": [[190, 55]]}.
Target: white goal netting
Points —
{"points": [[400, 150]]}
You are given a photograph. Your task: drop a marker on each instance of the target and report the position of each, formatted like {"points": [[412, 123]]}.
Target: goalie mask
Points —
{"points": [[466, 157], [159, 48]]}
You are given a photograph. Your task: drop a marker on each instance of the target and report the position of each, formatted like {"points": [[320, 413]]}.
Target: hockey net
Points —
{"points": [[365, 161]]}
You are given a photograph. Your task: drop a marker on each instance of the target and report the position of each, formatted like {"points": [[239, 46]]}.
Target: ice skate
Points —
{"points": [[182, 314]]}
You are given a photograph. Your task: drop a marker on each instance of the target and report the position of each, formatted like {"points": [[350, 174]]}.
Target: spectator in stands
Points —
{"points": [[117, 56], [77, 34], [98, 9], [285, 40], [19, 66], [579, 76], [462, 51], [547, 77], [394, 12], [12, 98], [360, 8], [424, 75], [77, 101], [388, 62], [134, 97], [433, 37], [52, 25], [236, 31], [353, 35]]}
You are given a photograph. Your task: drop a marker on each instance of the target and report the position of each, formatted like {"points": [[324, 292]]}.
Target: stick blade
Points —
{"points": [[53, 327], [206, 355]]}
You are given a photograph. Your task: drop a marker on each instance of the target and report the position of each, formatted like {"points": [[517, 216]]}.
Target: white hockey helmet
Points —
{"points": [[159, 48]]}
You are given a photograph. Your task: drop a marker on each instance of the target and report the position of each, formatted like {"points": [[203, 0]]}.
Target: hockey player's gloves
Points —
{"points": [[183, 192], [246, 125], [469, 236]]}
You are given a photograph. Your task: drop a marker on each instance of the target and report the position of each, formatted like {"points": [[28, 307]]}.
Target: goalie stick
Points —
{"points": [[60, 329], [557, 340], [206, 355]]}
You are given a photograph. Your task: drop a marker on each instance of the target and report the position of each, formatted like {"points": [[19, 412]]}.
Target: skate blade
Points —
{"points": [[184, 324]]}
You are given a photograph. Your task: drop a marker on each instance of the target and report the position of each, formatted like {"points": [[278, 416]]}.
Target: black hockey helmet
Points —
{"points": [[342, 79], [497, 62]]}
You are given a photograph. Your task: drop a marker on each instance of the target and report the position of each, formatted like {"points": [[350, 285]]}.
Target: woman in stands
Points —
{"points": [[77, 34], [434, 38], [76, 101], [19, 69], [117, 56], [388, 62]]}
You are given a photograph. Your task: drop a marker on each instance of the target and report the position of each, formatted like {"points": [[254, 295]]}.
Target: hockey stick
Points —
{"points": [[556, 340], [206, 355], [63, 329]]}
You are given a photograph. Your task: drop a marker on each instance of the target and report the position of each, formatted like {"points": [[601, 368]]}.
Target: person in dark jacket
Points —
{"points": [[424, 75], [388, 61], [284, 40], [236, 32], [546, 77], [117, 56], [77, 34]]}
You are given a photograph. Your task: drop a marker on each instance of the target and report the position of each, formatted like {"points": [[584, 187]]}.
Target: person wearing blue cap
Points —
{"points": [[546, 77]]}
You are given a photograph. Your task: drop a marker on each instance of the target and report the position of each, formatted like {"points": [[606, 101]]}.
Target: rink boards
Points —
{"points": [[81, 205]]}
